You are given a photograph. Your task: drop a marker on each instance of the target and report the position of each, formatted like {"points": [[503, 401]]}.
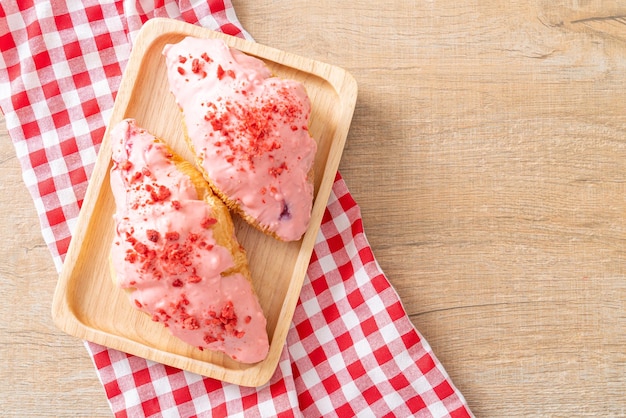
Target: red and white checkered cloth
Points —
{"points": [[351, 349]]}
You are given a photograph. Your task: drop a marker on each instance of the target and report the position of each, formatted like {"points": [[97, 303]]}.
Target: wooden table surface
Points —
{"points": [[488, 156]]}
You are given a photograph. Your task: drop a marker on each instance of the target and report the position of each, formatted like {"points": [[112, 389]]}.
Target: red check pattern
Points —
{"points": [[351, 349]]}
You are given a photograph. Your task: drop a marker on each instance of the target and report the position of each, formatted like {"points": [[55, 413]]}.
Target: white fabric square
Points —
{"points": [[362, 348], [404, 360], [350, 390], [88, 157], [57, 166], [324, 405], [310, 378], [375, 304], [338, 292], [162, 386], [297, 351], [30, 178], [15, 22], [46, 232], [350, 319], [93, 61], [121, 367], [80, 127], [327, 263], [201, 404], [83, 31], [53, 41], [341, 221], [71, 99], [101, 88], [337, 363], [438, 409], [324, 335], [267, 408], [75, 6], [43, 10], [232, 392], [131, 397], [393, 399], [377, 375], [389, 332], [71, 223], [311, 307]]}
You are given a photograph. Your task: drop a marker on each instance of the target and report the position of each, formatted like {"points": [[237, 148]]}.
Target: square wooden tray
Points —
{"points": [[87, 304]]}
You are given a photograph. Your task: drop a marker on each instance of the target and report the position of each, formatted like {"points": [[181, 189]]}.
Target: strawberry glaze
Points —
{"points": [[249, 131], [164, 253]]}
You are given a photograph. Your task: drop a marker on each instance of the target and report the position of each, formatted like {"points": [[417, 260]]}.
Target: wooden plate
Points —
{"points": [[88, 305]]}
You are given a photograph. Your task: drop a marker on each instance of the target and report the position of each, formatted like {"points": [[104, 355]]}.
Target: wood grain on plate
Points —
{"points": [[88, 305]]}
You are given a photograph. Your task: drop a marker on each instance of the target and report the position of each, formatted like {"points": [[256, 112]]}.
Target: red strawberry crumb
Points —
{"points": [[190, 323], [159, 195], [141, 248], [208, 222], [228, 311], [137, 176], [152, 235], [172, 236], [195, 66]]}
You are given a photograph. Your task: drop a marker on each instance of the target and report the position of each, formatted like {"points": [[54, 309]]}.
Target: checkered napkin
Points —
{"points": [[351, 349]]}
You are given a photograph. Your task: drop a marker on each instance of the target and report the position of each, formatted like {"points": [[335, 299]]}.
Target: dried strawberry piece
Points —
{"points": [[194, 279], [195, 66], [190, 323], [208, 222], [172, 236], [141, 248], [153, 235], [160, 194]]}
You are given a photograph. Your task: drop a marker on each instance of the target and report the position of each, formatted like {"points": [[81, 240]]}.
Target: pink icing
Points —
{"points": [[249, 130], [164, 253]]}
